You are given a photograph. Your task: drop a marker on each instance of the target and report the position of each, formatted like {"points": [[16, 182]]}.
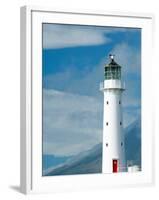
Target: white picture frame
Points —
{"points": [[31, 101]]}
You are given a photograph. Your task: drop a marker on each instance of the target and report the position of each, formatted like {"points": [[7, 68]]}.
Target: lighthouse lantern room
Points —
{"points": [[113, 135]]}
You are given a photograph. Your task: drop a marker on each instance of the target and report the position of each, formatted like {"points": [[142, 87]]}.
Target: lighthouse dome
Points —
{"points": [[112, 69]]}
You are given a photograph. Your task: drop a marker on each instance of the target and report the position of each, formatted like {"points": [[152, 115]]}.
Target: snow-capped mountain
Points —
{"points": [[86, 162], [91, 161], [133, 143]]}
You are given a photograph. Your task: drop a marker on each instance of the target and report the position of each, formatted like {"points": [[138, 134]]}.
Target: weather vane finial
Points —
{"points": [[111, 56]]}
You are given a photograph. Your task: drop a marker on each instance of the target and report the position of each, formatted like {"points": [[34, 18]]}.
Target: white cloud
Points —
{"points": [[71, 80], [71, 123], [130, 60], [61, 36]]}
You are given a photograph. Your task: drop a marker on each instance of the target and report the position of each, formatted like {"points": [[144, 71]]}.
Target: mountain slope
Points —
{"points": [[133, 143], [91, 161], [87, 162], [52, 161]]}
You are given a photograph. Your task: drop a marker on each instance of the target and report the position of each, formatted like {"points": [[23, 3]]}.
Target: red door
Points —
{"points": [[115, 165]]}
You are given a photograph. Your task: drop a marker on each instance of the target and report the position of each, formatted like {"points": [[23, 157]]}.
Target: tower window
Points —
{"points": [[119, 102], [120, 123], [107, 123], [107, 102], [106, 144], [121, 143]]}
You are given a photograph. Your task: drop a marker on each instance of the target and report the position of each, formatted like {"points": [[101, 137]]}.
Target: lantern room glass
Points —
{"points": [[113, 72]]}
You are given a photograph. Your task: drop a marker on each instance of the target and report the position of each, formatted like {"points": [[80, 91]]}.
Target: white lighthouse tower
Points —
{"points": [[113, 135]]}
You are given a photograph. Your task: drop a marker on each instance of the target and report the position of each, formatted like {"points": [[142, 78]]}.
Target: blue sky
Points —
{"points": [[73, 66]]}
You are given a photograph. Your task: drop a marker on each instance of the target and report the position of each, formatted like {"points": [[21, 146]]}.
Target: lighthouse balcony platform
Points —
{"points": [[112, 84]]}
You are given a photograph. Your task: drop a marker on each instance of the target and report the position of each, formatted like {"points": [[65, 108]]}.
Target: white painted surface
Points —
{"points": [[9, 143], [112, 84], [80, 182], [113, 135]]}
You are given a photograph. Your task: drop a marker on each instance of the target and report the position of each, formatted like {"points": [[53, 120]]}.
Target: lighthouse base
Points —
{"points": [[115, 167]]}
